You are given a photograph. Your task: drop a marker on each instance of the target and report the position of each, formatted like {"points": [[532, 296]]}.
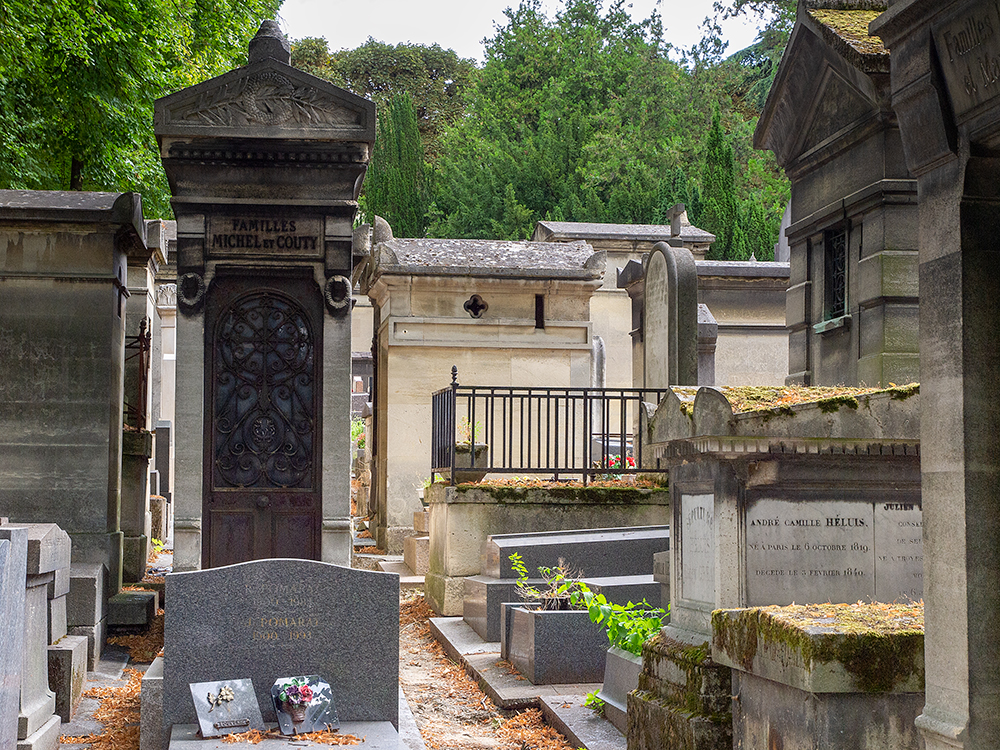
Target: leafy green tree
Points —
{"points": [[721, 215], [394, 186], [436, 79], [78, 79]]}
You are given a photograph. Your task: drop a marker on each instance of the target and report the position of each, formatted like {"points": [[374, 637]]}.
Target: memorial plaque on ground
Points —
{"points": [[697, 575], [832, 550], [226, 707], [304, 704], [269, 618]]}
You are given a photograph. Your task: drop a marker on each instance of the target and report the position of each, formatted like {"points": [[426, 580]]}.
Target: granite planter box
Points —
{"points": [[554, 647], [844, 677], [621, 677]]}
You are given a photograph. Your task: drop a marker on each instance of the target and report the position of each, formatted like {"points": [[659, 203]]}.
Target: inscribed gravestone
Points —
{"points": [[839, 551], [697, 548], [13, 567], [269, 618]]}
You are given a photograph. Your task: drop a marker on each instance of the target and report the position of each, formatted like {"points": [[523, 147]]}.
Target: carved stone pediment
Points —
{"points": [[266, 99]]}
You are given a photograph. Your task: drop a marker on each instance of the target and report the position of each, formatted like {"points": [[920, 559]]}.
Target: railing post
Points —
{"points": [[454, 413]]}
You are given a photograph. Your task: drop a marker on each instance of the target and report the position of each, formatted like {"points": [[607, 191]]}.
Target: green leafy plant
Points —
{"points": [[358, 433], [469, 432], [560, 583], [594, 703], [627, 626]]}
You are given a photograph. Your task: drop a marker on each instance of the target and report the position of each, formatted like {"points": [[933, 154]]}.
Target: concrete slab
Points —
{"points": [[407, 578], [507, 688], [377, 735], [581, 726]]}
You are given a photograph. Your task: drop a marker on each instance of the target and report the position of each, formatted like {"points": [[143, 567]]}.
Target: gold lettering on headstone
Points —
{"points": [[264, 235]]}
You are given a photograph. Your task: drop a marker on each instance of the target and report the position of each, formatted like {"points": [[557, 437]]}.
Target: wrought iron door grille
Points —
{"points": [[264, 394]]}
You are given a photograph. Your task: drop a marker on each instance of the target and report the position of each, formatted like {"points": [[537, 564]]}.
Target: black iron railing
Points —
{"points": [[537, 431], [137, 348]]}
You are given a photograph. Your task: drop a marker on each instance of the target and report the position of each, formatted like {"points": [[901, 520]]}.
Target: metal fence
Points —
{"points": [[539, 431]]}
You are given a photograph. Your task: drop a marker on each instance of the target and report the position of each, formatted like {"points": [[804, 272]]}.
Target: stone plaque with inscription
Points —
{"points": [[969, 50], [269, 618], [832, 551], [697, 550], [261, 233], [226, 707], [316, 714]]}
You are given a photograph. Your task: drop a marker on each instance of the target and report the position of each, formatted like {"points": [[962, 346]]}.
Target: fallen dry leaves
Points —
{"points": [[450, 709], [325, 737], [119, 712], [147, 646]]}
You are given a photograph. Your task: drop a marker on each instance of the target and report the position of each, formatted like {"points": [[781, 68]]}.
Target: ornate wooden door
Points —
{"points": [[263, 354]]}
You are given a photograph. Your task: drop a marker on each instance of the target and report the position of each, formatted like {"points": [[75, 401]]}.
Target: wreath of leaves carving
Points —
{"points": [[224, 106]]}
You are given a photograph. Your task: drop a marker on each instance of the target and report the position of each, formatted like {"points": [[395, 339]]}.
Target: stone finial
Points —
{"points": [[270, 43], [674, 216]]}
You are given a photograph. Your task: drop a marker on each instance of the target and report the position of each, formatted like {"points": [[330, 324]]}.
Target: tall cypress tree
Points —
{"points": [[394, 186], [721, 214]]}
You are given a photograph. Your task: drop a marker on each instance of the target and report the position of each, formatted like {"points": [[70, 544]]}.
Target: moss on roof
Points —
{"points": [[852, 27], [751, 398]]}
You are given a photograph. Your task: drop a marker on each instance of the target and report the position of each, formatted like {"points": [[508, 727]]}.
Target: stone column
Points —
{"points": [[948, 105]]}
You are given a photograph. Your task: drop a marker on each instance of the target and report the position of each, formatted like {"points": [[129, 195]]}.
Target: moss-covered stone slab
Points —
{"points": [[826, 648]]}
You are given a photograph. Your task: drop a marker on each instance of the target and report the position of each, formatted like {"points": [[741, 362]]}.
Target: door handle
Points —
{"points": [[262, 501]]}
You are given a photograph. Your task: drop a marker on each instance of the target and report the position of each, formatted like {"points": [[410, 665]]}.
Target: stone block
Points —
{"points": [[594, 552], [421, 521], [135, 557], [46, 737], [416, 553], [37, 701], [67, 673], [132, 609], [96, 636], [48, 548], [57, 618], [85, 606], [481, 603], [275, 617], [152, 732], [158, 517], [60, 583], [621, 677], [555, 647]]}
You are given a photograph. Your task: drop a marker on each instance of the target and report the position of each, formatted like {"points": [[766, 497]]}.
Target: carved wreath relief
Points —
{"points": [[266, 98], [264, 388]]}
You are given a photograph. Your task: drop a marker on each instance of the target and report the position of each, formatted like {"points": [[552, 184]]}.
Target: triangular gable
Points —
{"points": [[817, 98], [266, 99]]}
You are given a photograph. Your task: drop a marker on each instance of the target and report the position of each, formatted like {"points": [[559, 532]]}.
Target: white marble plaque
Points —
{"points": [[899, 552], [809, 552], [697, 547]]}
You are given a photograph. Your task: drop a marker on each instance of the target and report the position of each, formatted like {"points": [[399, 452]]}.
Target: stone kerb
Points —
{"points": [[277, 618], [13, 568]]}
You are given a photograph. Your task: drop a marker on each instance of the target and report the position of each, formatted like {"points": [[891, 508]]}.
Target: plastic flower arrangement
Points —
{"points": [[296, 693]]}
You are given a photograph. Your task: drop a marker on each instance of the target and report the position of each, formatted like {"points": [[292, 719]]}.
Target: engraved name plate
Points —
{"points": [[697, 546]]}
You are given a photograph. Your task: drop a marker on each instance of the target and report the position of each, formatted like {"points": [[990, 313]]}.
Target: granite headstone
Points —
{"points": [[269, 618], [13, 566]]}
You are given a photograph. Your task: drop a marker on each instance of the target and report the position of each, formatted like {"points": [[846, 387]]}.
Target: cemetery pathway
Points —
{"points": [[450, 709]]}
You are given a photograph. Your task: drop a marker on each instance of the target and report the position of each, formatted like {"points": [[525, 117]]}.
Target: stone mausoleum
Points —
{"points": [[852, 296]]}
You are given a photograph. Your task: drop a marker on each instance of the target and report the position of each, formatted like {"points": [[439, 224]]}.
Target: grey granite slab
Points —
{"points": [[268, 618], [226, 707], [594, 552], [581, 726], [376, 735]]}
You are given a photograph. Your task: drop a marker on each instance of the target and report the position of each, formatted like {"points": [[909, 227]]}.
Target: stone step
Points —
{"points": [[407, 578], [417, 553], [625, 589]]}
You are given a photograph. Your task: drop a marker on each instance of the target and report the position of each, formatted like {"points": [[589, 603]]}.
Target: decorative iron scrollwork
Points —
{"points": [[264, 394]]}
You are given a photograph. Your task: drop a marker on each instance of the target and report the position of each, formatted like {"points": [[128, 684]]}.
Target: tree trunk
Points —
{"points": [[75, 174]]}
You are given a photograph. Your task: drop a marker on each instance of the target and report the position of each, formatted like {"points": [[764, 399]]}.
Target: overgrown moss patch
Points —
{"points": [[879, 645]]}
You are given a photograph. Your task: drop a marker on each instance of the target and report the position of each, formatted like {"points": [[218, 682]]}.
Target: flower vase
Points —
{"points": [[296, 710]]}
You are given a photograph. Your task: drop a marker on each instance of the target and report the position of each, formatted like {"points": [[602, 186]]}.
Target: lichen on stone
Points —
{"points": [[852, 27], [879, 645]]}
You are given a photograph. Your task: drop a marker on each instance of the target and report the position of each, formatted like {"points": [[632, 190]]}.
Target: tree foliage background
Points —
{"points": [[586, 115], [78, 79]]}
